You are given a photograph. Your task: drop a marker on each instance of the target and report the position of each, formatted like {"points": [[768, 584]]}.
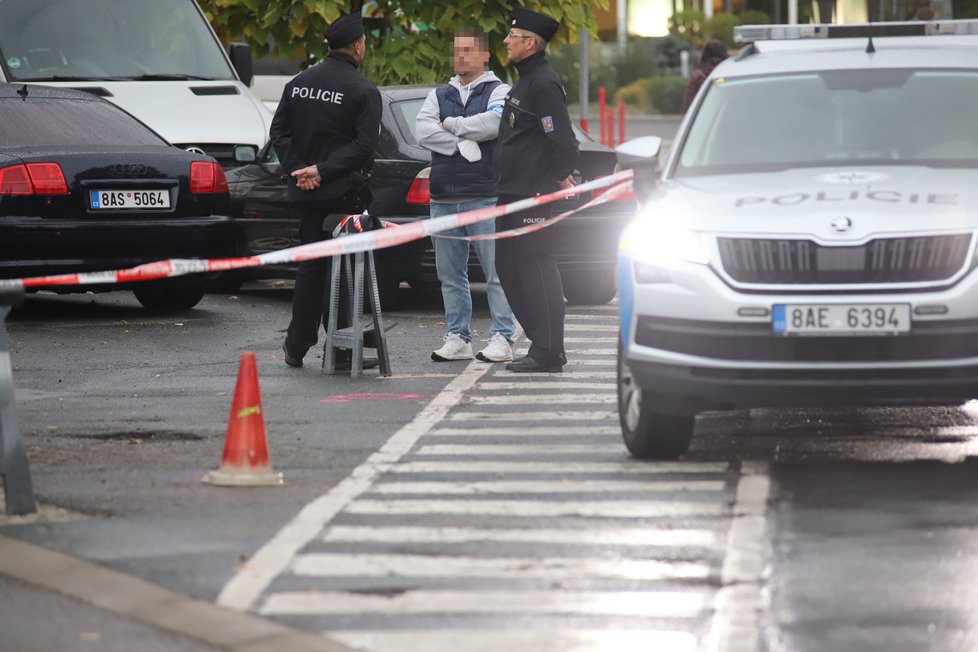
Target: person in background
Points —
{"points": [[536, 154], [459, 123], [714, 51], [325, 131]]}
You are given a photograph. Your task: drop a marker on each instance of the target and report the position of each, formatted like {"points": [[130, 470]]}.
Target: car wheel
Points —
{"points": [[588, 288], [180, 294], [648, 434]]}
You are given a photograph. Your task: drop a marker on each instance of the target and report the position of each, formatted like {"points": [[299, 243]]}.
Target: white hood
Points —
{"points": [[175, 112], [875, 200]]}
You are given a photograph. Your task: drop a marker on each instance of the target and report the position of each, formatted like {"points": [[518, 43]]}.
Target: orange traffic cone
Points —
{"points": [[245, 460]]}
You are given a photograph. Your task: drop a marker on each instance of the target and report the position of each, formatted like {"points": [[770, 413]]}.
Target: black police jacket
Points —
{"points": [[329, 116], [536, 146]]}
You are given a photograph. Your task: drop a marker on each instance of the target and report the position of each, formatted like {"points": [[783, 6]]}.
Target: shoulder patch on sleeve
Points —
{"points": [[548, 123], [497, 109]]}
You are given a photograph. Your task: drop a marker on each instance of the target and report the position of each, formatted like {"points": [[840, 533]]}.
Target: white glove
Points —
{"points": [[469, 149]]}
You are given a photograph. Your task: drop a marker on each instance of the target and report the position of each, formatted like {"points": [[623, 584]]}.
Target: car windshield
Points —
{"points": [[51, 40], [830, 118], [40, 121]]}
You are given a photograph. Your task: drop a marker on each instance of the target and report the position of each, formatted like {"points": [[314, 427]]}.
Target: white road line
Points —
{"points": [[548, 386], [540, 508], [270, 560], [520, 450], [499, 466], [597, 340], [558, 486], [527, 431], [611, 352], [617, 536], [548, 568], [582, 317], [591, 328], [565, 375], [741, 600], [651, 604], [528, 417], [549, 399], [495, 640]]}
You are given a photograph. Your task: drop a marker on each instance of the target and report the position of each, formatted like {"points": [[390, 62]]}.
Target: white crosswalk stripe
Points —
{"points": [[533, 417], [546, 487], [528, 431], [675, 604], [496, 640], [551, 399], [548, 568], [563, 467], [512, 518], [581, 534], [508, 450]]}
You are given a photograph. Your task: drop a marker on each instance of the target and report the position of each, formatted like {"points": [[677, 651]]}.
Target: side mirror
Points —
{"points": [[642, 156], [245, 153], [240, 54]]}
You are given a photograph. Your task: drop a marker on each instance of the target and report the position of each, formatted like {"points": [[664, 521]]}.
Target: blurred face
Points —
{"points": [[471, 56], [519, 44]]}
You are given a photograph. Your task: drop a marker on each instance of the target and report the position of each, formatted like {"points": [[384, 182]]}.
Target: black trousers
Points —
{"points": [[310, 299], [528, 273]]}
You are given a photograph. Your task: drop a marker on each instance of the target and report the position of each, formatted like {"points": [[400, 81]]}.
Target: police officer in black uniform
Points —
{"points": [[536, 154], [325, 132]]}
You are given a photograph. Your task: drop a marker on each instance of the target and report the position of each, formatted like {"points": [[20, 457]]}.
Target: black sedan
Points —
{"points": [[84, 187], [586, 243]]}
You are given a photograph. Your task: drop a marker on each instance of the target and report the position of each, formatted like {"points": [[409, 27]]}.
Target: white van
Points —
{"points": [[157, 59]]}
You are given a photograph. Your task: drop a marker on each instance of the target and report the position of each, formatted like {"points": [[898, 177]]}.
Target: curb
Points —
{"points": [[152, 604]]}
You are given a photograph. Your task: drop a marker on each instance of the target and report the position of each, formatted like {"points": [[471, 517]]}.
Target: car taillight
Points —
{"points": [[207, 177], [14, 180], [48, 178], [33, 179], [420, 190]]}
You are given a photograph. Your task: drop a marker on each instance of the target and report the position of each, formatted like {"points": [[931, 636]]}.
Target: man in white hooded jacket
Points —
{"points": [[459, 123]]}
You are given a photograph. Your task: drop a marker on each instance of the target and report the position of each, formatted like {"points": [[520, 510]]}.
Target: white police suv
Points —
{"points": [[811, 239]]}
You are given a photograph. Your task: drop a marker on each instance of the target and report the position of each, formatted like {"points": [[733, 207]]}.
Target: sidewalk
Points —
{"points": [[103, 610]]}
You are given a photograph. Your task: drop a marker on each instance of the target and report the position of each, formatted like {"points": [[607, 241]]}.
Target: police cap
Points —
{"points": [[543, 26], [344, 30]]}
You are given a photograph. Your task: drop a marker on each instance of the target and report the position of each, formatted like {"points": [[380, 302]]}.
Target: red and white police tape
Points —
{"points": [[618, 184]]}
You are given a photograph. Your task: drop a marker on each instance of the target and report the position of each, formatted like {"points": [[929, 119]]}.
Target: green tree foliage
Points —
{"points": [[410, 40]]}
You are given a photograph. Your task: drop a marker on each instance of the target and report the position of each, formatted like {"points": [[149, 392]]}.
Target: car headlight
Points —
{"points": [[655, 247]]}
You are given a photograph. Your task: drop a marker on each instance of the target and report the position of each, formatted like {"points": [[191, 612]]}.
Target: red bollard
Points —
{"points": [[584, 125], [601, 115], [621, 121], [611, 129]]}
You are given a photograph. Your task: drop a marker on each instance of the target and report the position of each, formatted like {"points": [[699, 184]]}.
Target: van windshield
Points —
{"points": [[87, 40]]}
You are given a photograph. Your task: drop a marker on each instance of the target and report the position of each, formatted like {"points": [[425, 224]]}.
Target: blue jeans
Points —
{"points": [[452, 261]]}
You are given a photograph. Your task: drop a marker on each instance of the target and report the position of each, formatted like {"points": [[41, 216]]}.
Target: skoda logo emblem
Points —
{"points": [[841, 224], [193, 149]]}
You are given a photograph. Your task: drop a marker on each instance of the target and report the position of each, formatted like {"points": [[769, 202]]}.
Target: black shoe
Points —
{"points": [[346, 364], [529, 365], [290, 359]]}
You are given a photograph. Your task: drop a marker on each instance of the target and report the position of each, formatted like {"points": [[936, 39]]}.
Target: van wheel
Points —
{"points": [[588, 289], [180, 294], [648, 434]]}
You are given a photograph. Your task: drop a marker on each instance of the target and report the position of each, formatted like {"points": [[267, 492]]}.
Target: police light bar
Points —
{"points": [[749, 33]]}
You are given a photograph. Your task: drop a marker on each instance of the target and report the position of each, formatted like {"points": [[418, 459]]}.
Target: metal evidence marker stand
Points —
{"points": [[13, 460]]}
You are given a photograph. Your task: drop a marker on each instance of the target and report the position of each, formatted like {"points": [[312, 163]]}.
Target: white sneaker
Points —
{"points": [[498, 350], [454, 348]]}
